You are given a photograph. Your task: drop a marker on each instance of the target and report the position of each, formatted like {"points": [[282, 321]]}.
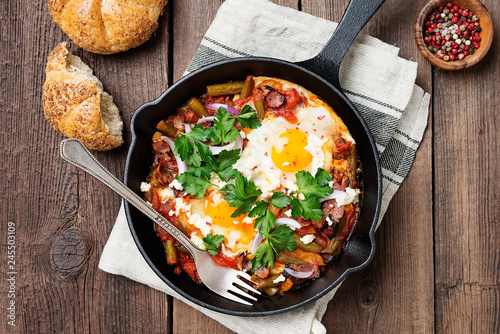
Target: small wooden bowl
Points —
{"points": [[486, 34]]}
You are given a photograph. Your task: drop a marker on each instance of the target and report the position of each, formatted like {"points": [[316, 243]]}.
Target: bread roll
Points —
{"points": [[107, 26], [76, 105]]}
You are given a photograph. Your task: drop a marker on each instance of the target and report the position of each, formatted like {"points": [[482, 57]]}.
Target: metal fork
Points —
{"points": [[223, 281]]}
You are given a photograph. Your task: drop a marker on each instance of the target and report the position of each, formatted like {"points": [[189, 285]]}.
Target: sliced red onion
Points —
{"points": [[181, 165], [299, 274], [292, 223], [257, 240], [206, 118], [336, 194], [237, 144], [233, 111]]}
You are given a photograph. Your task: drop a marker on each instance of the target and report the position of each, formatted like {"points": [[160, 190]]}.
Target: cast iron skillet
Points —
{"points": [[319, 75]]}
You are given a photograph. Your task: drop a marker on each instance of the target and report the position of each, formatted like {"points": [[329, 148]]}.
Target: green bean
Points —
{"points": [[225, 89], [183, 250], [171, 252], [332, 246], [267, 282], [259, 107], [286, 258], [247, 87], [312, 247], [197, 107], [167, 128]]}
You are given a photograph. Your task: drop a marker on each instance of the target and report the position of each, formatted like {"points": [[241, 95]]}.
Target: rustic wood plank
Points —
{"points": [[467, 229], [63, 216], [400, 279]]}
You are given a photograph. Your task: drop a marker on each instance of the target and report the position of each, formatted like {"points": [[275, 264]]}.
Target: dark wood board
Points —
{"points": [[437, 266]]}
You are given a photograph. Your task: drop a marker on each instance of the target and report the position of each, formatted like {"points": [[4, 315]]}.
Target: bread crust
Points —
{"points": [[73, 102], [107, 26]]}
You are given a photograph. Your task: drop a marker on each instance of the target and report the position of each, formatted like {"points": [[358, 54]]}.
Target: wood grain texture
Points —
{"points": [[399, 280], [437, 266], [63, 216], [467, 210]]}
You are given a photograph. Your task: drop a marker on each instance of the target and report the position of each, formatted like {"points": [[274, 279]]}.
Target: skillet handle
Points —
{"points": [[327, 62], [73, 151]]}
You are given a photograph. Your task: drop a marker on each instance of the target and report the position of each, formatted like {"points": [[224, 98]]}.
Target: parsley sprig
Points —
{"points": [[196, 180], [313, 188], [212, 243], [189, 145], [242, 194]]}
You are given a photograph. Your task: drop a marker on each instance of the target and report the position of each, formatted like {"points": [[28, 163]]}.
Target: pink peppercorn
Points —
{"points": [[452, 36]]}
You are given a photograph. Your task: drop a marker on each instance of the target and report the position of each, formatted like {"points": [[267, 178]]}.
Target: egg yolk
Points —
{"points": [[289, 153], [220, 212]]}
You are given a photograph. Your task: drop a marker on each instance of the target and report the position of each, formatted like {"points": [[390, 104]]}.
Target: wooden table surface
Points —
{"points": [[437, 265]]}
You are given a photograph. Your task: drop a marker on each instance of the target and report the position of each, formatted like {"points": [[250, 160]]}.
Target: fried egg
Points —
{"points": [[279, 148]]}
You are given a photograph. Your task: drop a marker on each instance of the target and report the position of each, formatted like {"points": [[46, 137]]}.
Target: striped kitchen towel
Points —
{"points": [[379, 83]]}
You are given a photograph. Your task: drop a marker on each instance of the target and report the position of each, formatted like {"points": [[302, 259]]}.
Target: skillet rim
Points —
{"points": [[376, 214]]}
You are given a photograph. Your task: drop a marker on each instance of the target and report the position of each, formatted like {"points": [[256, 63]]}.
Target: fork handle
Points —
{"points": [[73, 151]]}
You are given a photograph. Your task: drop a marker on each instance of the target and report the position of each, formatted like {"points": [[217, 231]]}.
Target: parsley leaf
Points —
{"points": [[265, 223], [259, 209], [308, 185], [280, 200], [242, 194], [283, 239], [202, 171], [310, 208], [280, 239], [323, 177], [197, 133], [263, 256], [223, 130], [248, 118], [213, 242], [194, 185], [192, 152], [225, 168]]}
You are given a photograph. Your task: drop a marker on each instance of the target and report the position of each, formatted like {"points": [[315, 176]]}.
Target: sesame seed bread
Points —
{"points": [[76, 105], [107, 26]]}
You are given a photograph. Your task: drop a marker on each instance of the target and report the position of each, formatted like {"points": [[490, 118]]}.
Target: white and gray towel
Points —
{"points": [[379, 83]]}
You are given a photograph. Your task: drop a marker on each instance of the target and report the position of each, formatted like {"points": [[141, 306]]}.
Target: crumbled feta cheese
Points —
{"points": [[243, 135], [351, 197], [145, 187], [215, 179], [201, 223], [329, 221], [279, 279], [291, 186], [247, 220], [301, 196], [315, 147], [288, 213], [307, 239], [176, 185], [180, 205], [195, 239], [166, 193], [171, 213], [330, 184]]}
